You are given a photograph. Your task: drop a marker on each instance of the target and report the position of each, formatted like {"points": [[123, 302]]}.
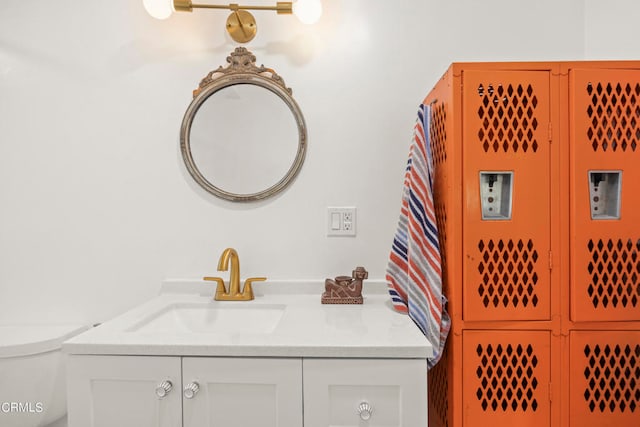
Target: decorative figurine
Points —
{"points": [[345, 289]]}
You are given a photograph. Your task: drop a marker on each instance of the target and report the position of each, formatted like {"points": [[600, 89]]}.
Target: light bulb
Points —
{"points": [[308, 11], [159, 9]]}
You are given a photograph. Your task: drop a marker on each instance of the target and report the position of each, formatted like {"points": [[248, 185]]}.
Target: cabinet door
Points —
{"points": [[365, 392], [242, 392], [108, 391]]}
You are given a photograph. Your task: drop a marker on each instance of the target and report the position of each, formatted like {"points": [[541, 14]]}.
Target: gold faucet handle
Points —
{"points": [[220, 289], [248, 290]]}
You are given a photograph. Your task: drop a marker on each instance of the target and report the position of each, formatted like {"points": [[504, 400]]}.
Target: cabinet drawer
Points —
{"points": [[365, 392]]}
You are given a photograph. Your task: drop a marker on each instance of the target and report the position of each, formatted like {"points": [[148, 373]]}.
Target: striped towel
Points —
{"points": [[414, 272]]}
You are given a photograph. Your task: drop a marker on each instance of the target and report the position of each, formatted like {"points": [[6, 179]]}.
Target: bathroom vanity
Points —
{"points": [[281, 360]]}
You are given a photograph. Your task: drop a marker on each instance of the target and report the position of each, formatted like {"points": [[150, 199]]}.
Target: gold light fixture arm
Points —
{"points": [[281, 7], [241, 25]]}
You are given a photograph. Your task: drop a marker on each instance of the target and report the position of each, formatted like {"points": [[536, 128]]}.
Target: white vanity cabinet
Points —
{"points": [[165, 391], [134, 391], [281, 360]]}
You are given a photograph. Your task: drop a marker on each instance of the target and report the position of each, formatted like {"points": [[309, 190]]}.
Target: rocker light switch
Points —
{"points": [[335, 221]]}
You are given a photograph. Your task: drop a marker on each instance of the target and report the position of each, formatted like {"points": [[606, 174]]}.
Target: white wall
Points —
{"points": [[95, 205], [611, 29]]}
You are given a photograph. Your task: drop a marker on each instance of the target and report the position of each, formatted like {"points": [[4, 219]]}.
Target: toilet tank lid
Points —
{"points": [[24, 340]]}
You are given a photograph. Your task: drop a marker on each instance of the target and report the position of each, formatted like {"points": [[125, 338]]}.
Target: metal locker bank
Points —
{"points": [[537, 195]]}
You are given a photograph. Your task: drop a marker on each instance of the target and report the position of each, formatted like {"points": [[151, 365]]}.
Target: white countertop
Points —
{"points": [[306, 328]]}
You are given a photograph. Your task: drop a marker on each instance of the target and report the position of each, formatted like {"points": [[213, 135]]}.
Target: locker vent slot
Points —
{"points": [[614, 115], [508, 118], [438, 391], [441, 222], [613, 377], [507, 377], [438, 134], [615, 271], [508, 271]]}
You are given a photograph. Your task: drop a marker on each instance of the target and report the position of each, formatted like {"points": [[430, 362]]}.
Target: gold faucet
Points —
{"points": [[234, 293]]}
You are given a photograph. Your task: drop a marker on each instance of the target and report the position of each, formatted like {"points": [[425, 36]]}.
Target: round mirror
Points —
{"points": [[243, 136]]}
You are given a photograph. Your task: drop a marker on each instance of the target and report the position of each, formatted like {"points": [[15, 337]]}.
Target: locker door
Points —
{"points": [[507, 376], [604, 377], [506, 206], [605, 182]]}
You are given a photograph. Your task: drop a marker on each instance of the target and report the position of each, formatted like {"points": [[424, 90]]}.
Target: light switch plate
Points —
{"points": [[341, 221]]}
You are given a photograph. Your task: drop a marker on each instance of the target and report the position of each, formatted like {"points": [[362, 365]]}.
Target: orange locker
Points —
{"points": [[605, 174], [537, 168], [507, 242]]}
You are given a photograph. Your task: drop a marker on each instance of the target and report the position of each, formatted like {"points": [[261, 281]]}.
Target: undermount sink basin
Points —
{"points": [[213, 318]]}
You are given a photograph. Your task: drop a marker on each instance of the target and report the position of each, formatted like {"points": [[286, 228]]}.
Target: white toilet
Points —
{"points": [[32, 374]]}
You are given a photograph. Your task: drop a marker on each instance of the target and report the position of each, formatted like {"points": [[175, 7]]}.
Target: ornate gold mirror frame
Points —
{"points": [[241, 70]]}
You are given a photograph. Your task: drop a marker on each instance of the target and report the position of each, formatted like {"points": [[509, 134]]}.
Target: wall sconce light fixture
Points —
{"points": [[241, 25]]}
